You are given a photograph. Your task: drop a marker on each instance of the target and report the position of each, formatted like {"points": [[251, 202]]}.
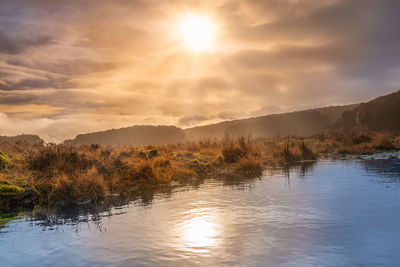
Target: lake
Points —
{"points": [[334, 213]]}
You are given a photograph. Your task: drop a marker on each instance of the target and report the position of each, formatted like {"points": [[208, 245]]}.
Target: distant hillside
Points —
{"points": [[380, 114], [23, 138], [135, 135], [300, 123]]}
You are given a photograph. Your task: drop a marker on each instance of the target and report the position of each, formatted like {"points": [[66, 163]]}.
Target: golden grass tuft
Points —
{"points": [[79, 188], [250, 166]]}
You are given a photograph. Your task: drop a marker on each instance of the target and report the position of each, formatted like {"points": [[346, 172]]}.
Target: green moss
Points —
{"points": [[11, 191], [4, 182], [8, 217], [3, 160]]}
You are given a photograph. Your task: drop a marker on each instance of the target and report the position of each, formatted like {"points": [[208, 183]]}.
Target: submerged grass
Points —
{"points": [[64, 176]]}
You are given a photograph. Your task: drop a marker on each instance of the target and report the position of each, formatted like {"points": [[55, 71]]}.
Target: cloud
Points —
{"points": [[93, 65], [16, 46], [194, 120], [15, 99], [65, 67], [188, 121], [28, 84]]}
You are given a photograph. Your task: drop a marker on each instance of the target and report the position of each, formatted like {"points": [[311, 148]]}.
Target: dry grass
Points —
{"points": [[62, 175], [250, 166], [79, 187]]}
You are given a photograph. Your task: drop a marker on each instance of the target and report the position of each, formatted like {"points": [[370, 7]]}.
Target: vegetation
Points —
{"points": [[10, 196], [66, 175], [3, 160], [380, 114], [8, 217], [23, 138]]}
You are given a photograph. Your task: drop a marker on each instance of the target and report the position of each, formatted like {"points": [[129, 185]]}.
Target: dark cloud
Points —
{"points": [[308, 20], [32, 84], [12, 99], [66, 67], [358, 36], [15, 46]]}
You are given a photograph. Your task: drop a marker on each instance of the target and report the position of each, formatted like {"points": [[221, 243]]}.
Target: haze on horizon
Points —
{"points": [[70, 67]]}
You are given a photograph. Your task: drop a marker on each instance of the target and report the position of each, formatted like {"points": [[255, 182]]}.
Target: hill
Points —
{"points": [[23, 138], [301, 123], [135, 135], [380, 114]]}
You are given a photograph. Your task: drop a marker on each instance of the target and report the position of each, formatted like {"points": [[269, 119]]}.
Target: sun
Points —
{"points": [[197, 32]]}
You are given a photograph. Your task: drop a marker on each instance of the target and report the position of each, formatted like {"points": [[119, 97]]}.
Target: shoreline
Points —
{"points": [[64, 177]]}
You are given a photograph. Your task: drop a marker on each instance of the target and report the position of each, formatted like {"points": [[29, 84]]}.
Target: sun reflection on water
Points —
{"points": [[200, 231]]}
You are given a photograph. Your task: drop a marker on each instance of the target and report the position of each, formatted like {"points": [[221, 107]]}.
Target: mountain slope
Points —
{"points": [[300, 123], [380, 114], [135, 135], [23, 138]]}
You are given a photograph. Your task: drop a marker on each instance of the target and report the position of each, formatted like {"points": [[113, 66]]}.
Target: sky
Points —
{"points": [[70, 67]]}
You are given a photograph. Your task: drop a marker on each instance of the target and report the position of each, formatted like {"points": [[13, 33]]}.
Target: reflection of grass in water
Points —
{"points": [[8, 217]]}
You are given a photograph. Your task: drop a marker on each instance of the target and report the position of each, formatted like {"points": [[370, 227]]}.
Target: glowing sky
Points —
{"points": [[69, 67]]}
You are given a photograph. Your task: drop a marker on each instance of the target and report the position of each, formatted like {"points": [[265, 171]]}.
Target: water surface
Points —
{"points": [[339, 213]]}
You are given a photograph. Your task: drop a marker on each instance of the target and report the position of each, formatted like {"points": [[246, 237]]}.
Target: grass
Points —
{"points": [[8, 217], [79, 187], [11, 191], [65, 176], [250, 166]]}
